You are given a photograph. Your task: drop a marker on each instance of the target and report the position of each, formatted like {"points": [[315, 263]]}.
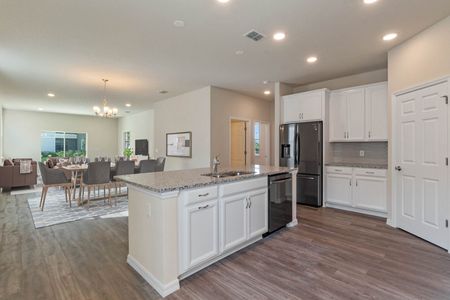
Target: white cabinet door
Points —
{"points": [[338, 117], [355, 114], [370, 193], [303, 107], [339, 189], [202, 232], [257, 213], [376, 112], [233, 221]]}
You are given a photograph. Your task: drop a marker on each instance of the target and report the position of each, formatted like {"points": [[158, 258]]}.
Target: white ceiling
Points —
{"points": [[67, 46]]}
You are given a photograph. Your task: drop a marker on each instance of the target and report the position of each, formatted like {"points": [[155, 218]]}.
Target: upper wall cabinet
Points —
{"points": [[359, 114], [304, 107], [376, 112]]}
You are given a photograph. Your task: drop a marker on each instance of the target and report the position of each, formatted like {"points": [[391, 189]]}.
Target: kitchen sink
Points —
{"points": [[228, 174]]}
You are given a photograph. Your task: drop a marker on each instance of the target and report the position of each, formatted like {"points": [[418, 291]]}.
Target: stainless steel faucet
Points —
{"points": [[216, 164]]}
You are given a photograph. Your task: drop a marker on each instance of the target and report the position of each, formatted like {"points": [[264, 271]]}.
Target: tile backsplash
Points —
{"points": [[374, 152]]}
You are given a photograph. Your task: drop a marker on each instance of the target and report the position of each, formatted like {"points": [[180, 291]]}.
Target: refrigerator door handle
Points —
{"points": [[297, 150]]}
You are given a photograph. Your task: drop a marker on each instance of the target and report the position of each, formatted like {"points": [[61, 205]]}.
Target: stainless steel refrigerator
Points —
{"points": [[301, 147]]}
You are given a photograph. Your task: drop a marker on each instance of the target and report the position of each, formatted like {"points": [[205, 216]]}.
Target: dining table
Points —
{"points": [[77, 172]]}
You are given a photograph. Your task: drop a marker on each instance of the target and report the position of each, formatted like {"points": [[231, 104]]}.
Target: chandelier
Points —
{"points": [[105, 110]]}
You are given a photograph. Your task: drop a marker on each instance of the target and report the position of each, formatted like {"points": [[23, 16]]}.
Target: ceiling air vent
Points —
{"points": [[254, 35]]}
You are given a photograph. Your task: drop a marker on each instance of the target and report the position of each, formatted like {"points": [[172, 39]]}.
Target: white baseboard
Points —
{"points": [[358, 210], [163, 289], [292, 224], [390, 223]]}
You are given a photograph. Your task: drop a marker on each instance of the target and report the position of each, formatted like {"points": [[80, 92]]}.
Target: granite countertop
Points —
{"points": [[358, 165], [161, 182]]}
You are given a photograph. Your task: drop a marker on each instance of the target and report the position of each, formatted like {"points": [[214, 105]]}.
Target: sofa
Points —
{"points": [[10, 174]]}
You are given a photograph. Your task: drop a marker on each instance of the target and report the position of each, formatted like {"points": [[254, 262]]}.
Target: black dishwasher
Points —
{"points": [[280, 201]]}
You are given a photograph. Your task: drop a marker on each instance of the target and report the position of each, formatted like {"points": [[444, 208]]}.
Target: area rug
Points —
{"points": [[57, 211]]}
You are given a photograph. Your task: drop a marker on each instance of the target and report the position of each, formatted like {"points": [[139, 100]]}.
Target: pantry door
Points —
{"points": [[420, 143]]}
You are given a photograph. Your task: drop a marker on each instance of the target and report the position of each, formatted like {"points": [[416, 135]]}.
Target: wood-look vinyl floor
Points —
{"points": [[331, 255]]}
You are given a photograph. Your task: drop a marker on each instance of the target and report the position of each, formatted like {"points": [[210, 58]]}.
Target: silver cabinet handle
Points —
{"points": [[370, 172], [369, 134], [345, 134], [250, 202], [356, 182], [350, 182], [203, 195], [203, 207]]}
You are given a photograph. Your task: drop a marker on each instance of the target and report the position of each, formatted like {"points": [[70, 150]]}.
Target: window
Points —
{"points": [[126, 140], [257, 137], [63, 144]]}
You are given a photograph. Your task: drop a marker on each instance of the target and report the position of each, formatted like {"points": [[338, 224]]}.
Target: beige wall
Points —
{"points": [[22, 132], [226, 104], [187, 112], [346, 81], [140, 126], [422, 58], [1, 131]]}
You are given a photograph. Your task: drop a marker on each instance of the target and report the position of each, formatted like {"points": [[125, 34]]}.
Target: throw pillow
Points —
{"points": [[50, 163]]}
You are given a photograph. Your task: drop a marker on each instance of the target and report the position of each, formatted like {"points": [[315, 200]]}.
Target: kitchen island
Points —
{"points": [[182, 221]]}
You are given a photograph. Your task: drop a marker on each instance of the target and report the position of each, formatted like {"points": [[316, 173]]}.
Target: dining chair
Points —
{"points": [[97, 175], [160, 162], [54, 178], [147, 166], [123, 167]]}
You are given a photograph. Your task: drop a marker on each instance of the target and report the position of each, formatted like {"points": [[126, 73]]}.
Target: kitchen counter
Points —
{"points": [[358, 165], [162, 182]]}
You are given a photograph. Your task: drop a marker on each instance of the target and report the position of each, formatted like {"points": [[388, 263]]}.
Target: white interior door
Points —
{"points": [[420, 141], [238, 143]]}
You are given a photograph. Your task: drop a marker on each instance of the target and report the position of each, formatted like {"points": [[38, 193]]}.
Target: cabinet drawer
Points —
{"points": [[370, 172], [243, 186], [339, 170], [199, 195]]}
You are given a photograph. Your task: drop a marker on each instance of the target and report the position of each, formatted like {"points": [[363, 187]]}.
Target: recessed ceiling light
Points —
{"points": [[390, 36], [223, 1], [278, 36], [370, 1], [178, 23], [267, 92], [128, 105], [239, 52], [51, 95], [311, 59], [163, 92], [40, 108]]}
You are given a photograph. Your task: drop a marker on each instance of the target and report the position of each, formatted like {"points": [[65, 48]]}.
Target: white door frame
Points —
{"points": [[248, 137], [392, 221]]}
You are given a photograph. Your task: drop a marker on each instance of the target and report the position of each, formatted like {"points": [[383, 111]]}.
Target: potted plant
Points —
{"points": [[128, 152]]}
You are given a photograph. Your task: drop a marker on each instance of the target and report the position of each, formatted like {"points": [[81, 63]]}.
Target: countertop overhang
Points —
{"points": [[169, 181]]}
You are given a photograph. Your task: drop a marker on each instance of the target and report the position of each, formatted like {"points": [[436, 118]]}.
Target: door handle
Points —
{"points": [[398, 168]]}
